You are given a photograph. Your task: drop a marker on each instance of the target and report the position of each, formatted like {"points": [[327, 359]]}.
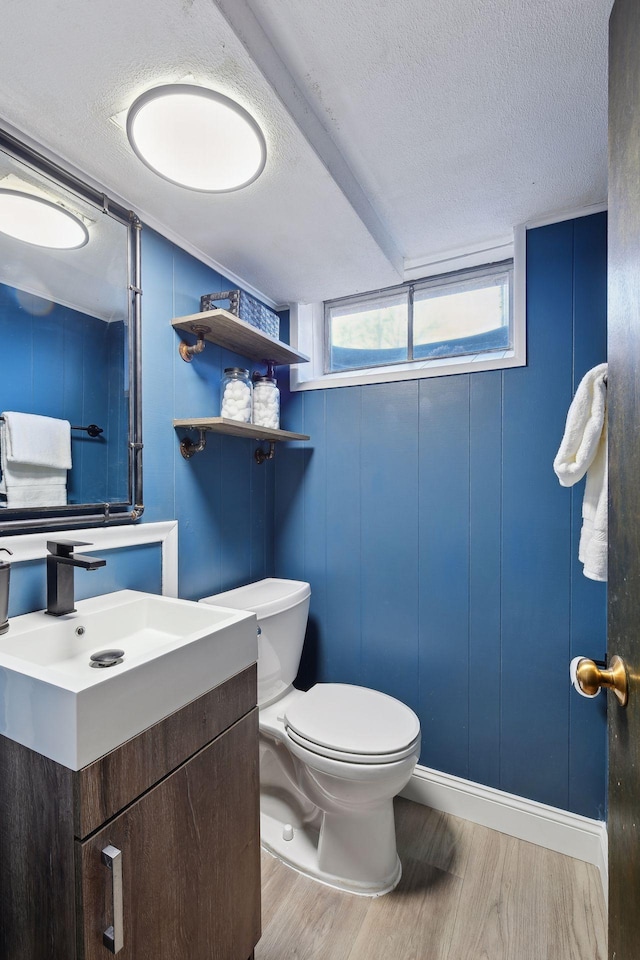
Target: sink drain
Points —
{"points": [[106, 658]]}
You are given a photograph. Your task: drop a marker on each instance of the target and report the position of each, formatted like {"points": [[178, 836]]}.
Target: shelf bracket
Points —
{"points": [[188, 352], [262, 455], [188, 447]]}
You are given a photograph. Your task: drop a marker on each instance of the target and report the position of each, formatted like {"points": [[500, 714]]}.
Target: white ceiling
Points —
{"points": [[396, 131]]}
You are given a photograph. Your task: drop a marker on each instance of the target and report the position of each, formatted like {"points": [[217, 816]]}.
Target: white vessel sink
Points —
{"points": [[53, 701]]}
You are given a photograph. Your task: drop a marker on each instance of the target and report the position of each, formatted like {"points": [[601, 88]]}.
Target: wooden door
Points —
{"points": [[624, 475], [190, 861]]}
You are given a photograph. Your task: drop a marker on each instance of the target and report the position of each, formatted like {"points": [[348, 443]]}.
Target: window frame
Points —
{"points": [[307, 326], [360, 298], [502, 268]]}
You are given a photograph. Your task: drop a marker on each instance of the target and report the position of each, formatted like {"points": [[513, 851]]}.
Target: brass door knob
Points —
{"points": [[591, 677]]}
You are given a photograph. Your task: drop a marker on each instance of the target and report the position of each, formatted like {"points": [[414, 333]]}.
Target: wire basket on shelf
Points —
{"points": [[246, 308]]}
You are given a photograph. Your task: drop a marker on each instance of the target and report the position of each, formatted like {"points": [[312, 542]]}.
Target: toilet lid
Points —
{"points": [[352, 720]]}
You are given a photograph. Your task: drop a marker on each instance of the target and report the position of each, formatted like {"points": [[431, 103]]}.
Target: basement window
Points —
{"points": [[464, 315]]}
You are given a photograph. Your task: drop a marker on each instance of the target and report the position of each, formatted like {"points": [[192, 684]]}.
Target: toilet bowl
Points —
{"points": [[331, 759]]}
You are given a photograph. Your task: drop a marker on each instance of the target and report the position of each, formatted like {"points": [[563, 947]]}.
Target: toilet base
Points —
{"points": [[301, 853]]}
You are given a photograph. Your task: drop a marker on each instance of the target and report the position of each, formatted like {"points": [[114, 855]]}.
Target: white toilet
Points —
{"points": [[331, 759]]}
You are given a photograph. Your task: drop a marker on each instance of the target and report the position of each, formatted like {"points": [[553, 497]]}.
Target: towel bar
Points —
{"points": [[93, 429]]}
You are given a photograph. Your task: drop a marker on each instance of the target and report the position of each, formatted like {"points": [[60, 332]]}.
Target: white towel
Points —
{"points": [[19, 475], [584, 450], [28, 484], [35, 495], [39, 441]]}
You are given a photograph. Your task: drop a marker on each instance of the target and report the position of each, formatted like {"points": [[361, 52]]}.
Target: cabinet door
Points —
{"points": [[190, 857]]}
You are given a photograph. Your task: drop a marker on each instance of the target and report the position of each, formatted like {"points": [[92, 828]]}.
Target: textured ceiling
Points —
{"points": [[450, 122], [460, 118]]}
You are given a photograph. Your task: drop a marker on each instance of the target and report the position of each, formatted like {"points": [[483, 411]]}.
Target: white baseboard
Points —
{"points": [[549, 827]]}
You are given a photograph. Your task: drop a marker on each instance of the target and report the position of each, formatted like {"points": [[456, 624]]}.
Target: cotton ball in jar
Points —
{"points": [[236, 395], [266, 403]]}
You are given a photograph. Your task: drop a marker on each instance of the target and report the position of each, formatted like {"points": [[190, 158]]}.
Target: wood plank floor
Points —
{"points": [[467, 893]]}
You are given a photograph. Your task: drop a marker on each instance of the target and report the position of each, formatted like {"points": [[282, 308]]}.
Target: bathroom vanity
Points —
{"points": [[174, 809]]}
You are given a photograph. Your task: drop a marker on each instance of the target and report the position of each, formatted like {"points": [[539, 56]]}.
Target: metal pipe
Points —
{"points": [[58, 523], [188, 447], [34, 158], [135, 389], [74, 515], [188, 352]]}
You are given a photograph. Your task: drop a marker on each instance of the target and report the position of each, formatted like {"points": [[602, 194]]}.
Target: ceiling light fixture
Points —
{"points": [[196, 138], [32, 219]]}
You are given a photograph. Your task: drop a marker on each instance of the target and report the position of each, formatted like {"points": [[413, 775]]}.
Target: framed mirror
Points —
{"points": [[70, 410]]}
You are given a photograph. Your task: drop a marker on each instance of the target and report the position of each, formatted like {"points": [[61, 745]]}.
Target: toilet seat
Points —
{"points": [[372, 758], [352, 724]]}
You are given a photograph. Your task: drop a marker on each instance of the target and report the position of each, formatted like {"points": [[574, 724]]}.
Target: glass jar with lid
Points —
{"points": [[235, 395], [266, 402]]}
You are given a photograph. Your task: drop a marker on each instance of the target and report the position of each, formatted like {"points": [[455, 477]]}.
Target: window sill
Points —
{"points": [[421, 369]]}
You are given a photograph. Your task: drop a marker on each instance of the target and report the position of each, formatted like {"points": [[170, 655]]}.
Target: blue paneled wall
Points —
{"points": [[222, 499], [61, 366], [442, 552]]}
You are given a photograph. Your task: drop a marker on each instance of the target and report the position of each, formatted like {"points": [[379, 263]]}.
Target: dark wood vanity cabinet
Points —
{"points": [[178, 807]]}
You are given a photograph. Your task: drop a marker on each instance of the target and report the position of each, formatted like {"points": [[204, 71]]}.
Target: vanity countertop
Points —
{"points": [[54, 702]]}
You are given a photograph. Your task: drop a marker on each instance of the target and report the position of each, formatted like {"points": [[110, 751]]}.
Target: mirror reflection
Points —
{"points": [[57, 362], [65, 344]]}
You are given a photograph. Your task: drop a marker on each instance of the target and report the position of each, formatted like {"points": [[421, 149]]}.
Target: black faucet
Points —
{"points": [[60, 564], [4, 592]]}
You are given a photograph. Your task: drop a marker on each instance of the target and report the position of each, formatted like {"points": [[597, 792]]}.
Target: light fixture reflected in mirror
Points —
{"points": [[196, 138], [72, 318], [40, 222]]}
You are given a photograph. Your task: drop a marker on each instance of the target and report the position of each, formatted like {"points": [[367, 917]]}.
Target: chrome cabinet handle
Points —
{"points": [[113, 937]]}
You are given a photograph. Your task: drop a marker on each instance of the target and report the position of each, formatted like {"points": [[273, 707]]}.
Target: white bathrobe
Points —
{"points": [[584, 450]]}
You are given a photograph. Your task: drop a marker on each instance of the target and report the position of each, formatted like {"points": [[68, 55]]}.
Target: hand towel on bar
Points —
{"points": [[28, 484], [39, 441], [584, 450], [35, 495], [20, 475]]}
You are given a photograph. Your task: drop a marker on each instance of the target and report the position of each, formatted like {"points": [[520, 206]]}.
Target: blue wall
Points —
{"points": [[62, 367], [222, 499], [442, 552]]}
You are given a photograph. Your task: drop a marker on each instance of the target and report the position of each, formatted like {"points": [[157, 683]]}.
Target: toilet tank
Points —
{"points": [[282, 608]]}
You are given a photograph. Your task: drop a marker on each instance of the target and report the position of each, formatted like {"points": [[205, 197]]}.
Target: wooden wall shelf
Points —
{"points": [[232, 428], [226, 330]]}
